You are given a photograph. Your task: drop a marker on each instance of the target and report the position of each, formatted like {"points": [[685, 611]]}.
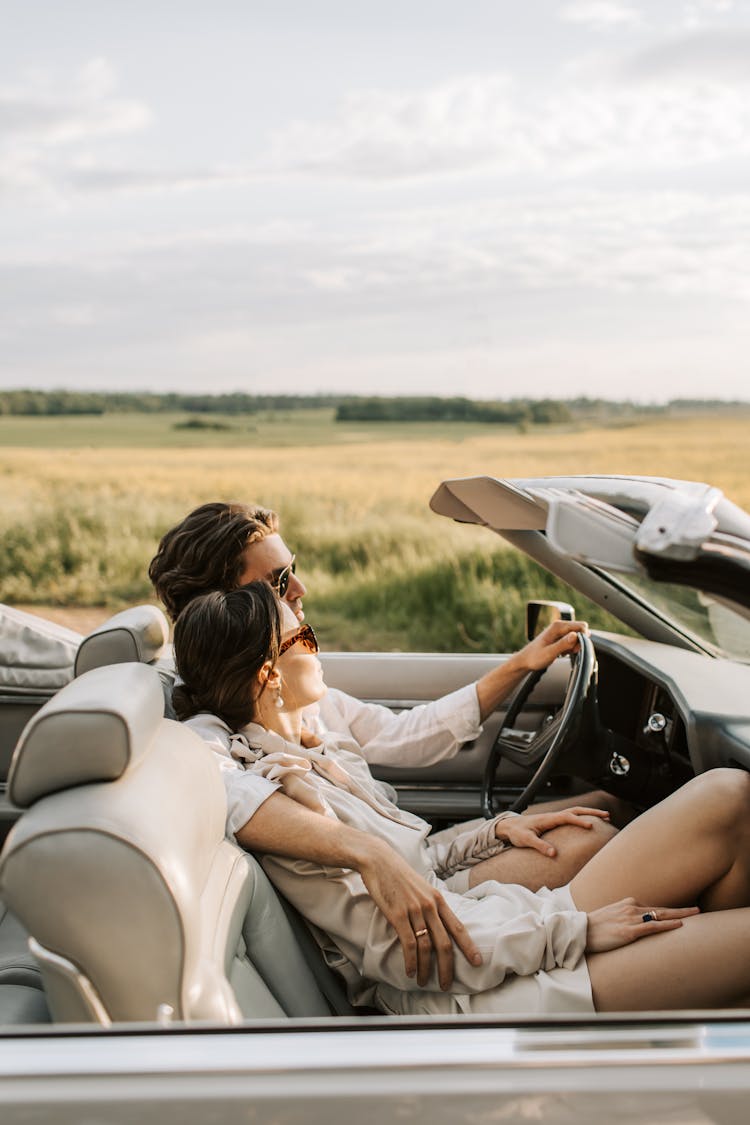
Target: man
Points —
{"points": [[221, 546]]}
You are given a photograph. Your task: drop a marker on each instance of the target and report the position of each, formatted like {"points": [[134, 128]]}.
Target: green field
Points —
{"points": [[262, 431], [85, 501]]}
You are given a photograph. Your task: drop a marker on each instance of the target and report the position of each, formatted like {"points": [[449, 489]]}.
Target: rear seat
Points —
{"points": [[37, 658], [271, 965], [22, 999], [139, 634], [120, 869]]}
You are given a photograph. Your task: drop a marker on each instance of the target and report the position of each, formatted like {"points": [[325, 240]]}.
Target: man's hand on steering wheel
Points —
{"points": [[540, 751], [527, 831], [558, 639]]}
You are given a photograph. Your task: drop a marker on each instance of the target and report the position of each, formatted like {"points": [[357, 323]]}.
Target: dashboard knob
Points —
{"points": [[656, 723], [619, 765]]}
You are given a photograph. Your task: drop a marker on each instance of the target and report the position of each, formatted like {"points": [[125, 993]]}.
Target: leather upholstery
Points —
{"points": [[77, 738], [35, 655], [126, 879], [137, 634], [21, 994]]}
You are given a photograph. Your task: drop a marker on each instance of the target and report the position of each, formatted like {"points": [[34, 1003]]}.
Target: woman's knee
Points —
{"points": [[725, 791]]}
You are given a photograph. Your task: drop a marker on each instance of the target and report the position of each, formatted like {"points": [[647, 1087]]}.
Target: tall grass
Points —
{"points": [[79, 526]]}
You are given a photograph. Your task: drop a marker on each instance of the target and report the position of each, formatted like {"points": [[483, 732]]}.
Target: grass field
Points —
{"points": [[85, 500], [264, 430]]}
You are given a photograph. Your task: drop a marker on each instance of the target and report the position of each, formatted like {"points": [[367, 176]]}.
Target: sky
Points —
{"points": [[475, 197]]}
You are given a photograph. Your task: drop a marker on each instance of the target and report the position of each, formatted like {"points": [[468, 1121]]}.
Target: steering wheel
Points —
{"points": [[542, 748]]}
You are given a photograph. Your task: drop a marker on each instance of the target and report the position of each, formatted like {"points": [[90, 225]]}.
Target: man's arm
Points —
{"points": [[558, 639], [420, 735], [282, 826], [431, 732]]}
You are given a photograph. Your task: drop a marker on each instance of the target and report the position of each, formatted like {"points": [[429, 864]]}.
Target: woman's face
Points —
{"points": [[301, 671]]}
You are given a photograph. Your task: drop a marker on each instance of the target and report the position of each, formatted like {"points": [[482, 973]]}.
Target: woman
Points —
{"points": [[248, 672]]}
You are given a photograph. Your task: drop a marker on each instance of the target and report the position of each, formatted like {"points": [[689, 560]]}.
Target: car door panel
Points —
{"points": [[404, 680]]}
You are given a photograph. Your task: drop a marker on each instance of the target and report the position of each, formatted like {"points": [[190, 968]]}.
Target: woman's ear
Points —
{"points": [[268, 676]]}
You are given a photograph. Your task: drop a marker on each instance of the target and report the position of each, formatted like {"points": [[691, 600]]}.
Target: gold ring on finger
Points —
{"points": [[421, 933]]}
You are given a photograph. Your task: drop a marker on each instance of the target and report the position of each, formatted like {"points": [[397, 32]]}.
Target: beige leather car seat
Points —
{"points": [[138, 906], [22, 998], [139, 634]]}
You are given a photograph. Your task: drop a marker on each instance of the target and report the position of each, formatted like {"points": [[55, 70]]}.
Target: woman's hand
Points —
{"points": [[527, 831], [423, 921], [622, 923]]}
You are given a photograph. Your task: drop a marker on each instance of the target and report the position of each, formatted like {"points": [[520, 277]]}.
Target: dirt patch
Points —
{"points": [[81, 618]]}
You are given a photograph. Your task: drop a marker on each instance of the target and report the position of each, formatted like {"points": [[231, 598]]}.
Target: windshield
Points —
{"points": [[711, 622]]}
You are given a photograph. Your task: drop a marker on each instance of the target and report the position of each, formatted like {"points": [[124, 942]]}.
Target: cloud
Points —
{"points": [[487, 122], [718, 57], [407, 291], [42, 126], [665, 243], [703, 13], [381, 134], [89, 177], [680, 103], [37, 111], [73, 316], [602, 15], [49, 137]]}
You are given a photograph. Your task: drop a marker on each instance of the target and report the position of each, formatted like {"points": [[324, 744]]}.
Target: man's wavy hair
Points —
{"points": [[221, 642], [203, 552]]}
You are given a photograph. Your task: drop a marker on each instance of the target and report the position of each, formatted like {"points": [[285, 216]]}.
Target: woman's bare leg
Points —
{"points": [[703, 964], [529, 868], [692, 848]]}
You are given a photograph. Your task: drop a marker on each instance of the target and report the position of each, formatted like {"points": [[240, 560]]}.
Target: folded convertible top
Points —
{"points": [[35, 655]]}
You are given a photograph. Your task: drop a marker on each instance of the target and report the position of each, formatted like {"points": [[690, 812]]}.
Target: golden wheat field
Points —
{"points": [[80, 524]]}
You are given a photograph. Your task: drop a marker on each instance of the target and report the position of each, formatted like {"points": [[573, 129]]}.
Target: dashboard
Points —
{"points": [[700, 706], [670, 714]]}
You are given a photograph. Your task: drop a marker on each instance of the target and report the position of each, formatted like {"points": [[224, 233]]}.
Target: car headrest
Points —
{"points": [[136, 634], [75, 738]]}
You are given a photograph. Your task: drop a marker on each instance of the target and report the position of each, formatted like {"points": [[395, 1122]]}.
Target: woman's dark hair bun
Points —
{"points": [[221, 642]]}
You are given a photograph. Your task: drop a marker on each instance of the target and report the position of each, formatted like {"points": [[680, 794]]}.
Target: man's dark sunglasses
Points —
{"points": [[280, 579], [305, 636]]}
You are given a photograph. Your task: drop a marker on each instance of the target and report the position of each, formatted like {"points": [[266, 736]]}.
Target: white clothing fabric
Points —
{"points": [[425, 734], [421, 736], [532, 944]]}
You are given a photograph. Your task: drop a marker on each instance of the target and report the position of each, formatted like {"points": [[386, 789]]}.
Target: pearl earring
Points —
{"points": [[279, 701]]}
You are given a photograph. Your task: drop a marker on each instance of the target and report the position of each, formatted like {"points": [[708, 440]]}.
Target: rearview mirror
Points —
{"points": [[541, 614]]}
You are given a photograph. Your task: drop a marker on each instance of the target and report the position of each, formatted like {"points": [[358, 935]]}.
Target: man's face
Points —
{"points": [[266, 559]]}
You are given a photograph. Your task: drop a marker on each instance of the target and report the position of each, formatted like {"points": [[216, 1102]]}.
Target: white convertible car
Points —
{"points": [[148, 971]]}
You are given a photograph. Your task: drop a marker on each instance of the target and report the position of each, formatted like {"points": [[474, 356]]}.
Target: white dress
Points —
{"points": [[532, 944]]}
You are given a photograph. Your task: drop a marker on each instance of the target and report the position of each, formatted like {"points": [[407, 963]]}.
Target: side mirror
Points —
{"points": [[541, 614]]}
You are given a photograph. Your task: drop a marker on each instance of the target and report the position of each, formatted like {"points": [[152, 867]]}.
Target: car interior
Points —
{"points": [[116, 862], [117, 855]]}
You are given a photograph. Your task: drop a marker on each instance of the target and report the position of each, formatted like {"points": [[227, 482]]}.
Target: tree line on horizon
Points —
{"points": [[348, 408]]}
